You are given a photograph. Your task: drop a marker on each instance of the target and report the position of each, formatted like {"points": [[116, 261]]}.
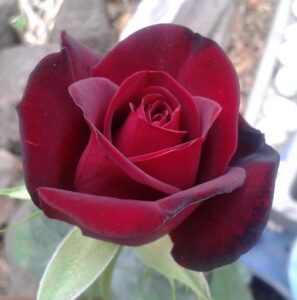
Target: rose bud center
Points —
{"points": [[152, 121], [158, 113]]}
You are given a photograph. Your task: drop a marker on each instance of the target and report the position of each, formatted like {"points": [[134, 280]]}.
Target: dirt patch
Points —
{"points": [[248, 36]]}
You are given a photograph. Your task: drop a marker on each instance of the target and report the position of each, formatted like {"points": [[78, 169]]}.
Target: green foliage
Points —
{"points": [[30, 245], [76, 264], [23, 222], [230, 282], [157, 256], [132, 279], [19, 24], [86, 268], [18, 192]]}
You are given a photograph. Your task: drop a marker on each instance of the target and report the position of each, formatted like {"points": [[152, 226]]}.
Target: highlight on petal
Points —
{"points": [[81, 58], [93, 95], [132, 222], [228, 225], [50, 124]]}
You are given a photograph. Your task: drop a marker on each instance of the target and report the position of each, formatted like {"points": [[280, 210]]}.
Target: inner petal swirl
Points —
{"points": [[144, 129]]}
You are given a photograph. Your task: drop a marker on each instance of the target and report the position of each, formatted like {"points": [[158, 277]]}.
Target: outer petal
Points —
{"points": [[99, 173], [81, 58], [216, 80], [199, 65], [132, 222], [164, 47], [53, 131], [226, 226]]}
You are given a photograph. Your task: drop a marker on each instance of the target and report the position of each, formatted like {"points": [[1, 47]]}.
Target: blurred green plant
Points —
{"points": [[84, 268]]}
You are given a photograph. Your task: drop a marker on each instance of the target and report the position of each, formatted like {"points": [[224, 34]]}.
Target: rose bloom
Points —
{"points": [[147, 140]]}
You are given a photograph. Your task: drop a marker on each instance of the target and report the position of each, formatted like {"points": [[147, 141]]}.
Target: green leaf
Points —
{"points": [[23, 222], [132, 279], [19, 192], [30, 246], [157, 256], [19, 24], [230, 282], [106, 278], [76, 264]]}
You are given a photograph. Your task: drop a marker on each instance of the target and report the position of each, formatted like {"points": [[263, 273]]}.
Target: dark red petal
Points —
{"points": [[136, 137], [81, 58], [99, 174], [208, 111], [199, 65], [226, 226], [175, 120], [94, 95], [216, 80], [100, 157], [178, 165], [173, 112], [142, 82], [53, 131], [164, 47], [132, 222]]}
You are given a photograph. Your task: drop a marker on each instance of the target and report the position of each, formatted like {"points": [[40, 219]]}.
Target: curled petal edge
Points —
{"points": [[234, 221], [132, 222]]}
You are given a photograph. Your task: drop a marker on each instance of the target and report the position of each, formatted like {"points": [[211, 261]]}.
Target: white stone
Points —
{"points": [[286, 81], [282, 111], [290, 33], [294, 8], [274, 134], [287, 53]]}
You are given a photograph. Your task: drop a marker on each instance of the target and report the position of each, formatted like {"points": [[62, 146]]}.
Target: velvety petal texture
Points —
{"points": [[199, 65], [132, 222], [103, 169], [140, 84], [50, 124], [146, 141], [80, 57], [228, 225]]}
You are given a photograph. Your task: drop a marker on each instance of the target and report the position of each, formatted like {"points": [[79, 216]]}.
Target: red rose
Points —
{"points": [[147, 140]]}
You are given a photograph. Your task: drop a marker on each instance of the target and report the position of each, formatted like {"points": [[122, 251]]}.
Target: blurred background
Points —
{"points": [[259, 36]]}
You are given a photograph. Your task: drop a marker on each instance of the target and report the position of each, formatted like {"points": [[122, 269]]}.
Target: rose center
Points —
{"points": [[158, 113]]}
